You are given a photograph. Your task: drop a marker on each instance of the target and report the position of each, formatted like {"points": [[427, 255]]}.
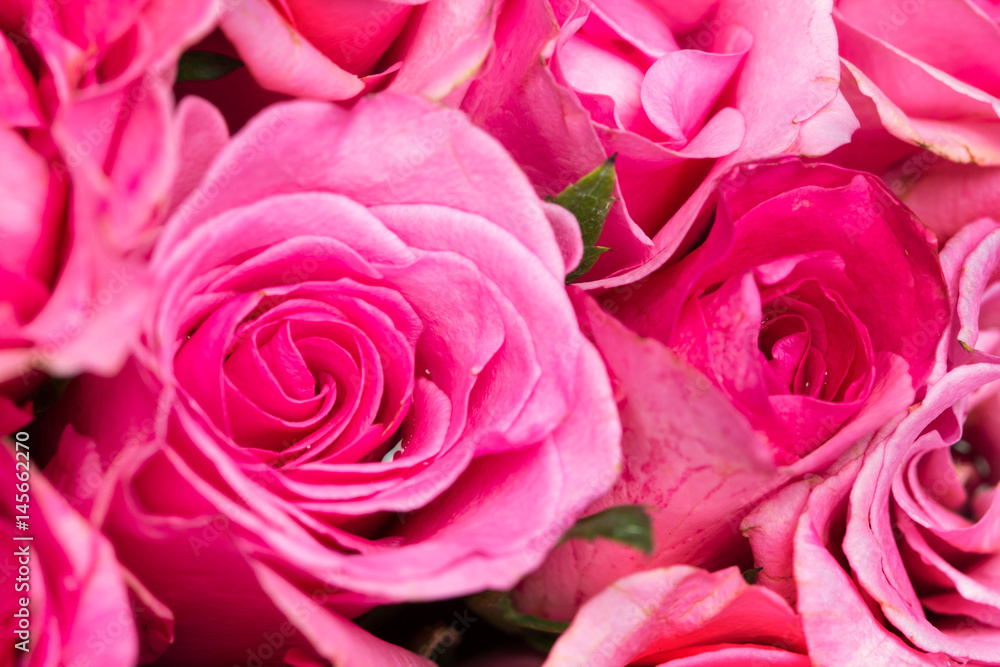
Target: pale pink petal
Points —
{"points": [[638, 23], [452, 41], [667, 610], [681, 87], [280, 59], [202, 134]]}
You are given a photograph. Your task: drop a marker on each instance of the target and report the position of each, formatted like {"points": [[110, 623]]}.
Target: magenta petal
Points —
{"points": [[333, 637], [637, 23], [950, 35], [920, 104], [977, 271], [18, 100], [567, 231], [947, 196], [352, 33], [770, 528]]}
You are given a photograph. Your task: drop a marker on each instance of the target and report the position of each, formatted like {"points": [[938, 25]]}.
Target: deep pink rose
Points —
{"points": [[681, 616], [806, 320], [76, 607], [679, 93], [338, 50], [813, 294], [361, 370], [900, 538], [88, 137], [29, 232]]}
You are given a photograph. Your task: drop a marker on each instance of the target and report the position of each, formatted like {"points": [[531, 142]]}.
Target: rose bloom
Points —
{"points": [[813, 294], [361, 380], [76, 608], [679, 616], [923, 80], [970, 264], [807, 319], [680, 92], [900, 537], [78, 86], [928, 70], [916, 557], [29, 233], [338, 50], [683, 616]]}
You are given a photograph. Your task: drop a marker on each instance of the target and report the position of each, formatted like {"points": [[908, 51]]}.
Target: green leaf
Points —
{"points": [[205, 66], [497, 608], [589, 199], [628, 524], [751, 575], [590, 255]]}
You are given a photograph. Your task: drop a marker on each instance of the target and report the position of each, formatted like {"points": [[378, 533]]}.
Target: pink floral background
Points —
{"points": [[500, 333]]}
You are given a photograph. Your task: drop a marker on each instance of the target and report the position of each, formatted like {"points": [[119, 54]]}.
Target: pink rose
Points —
{"points": [[926, 71], [970, 262], [89, 139], [945, 195], [362, 372], [916, 558], [814, 292], [683, 616], [680, 94], [29, 232], [900, 537], [336, 51], [806, 320], [679, 616], [924, 82], [66, 601]]}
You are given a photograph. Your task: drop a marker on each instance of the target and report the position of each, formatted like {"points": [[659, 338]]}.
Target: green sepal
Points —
{"points": [[589, 200], [498, 609], [628, 524], [205, 66]]}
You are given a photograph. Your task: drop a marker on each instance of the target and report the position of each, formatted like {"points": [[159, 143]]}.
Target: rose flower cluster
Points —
{"points": [[500, 333]]}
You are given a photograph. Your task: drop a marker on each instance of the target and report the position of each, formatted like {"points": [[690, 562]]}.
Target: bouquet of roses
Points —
{"points": [[500, 333]]}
